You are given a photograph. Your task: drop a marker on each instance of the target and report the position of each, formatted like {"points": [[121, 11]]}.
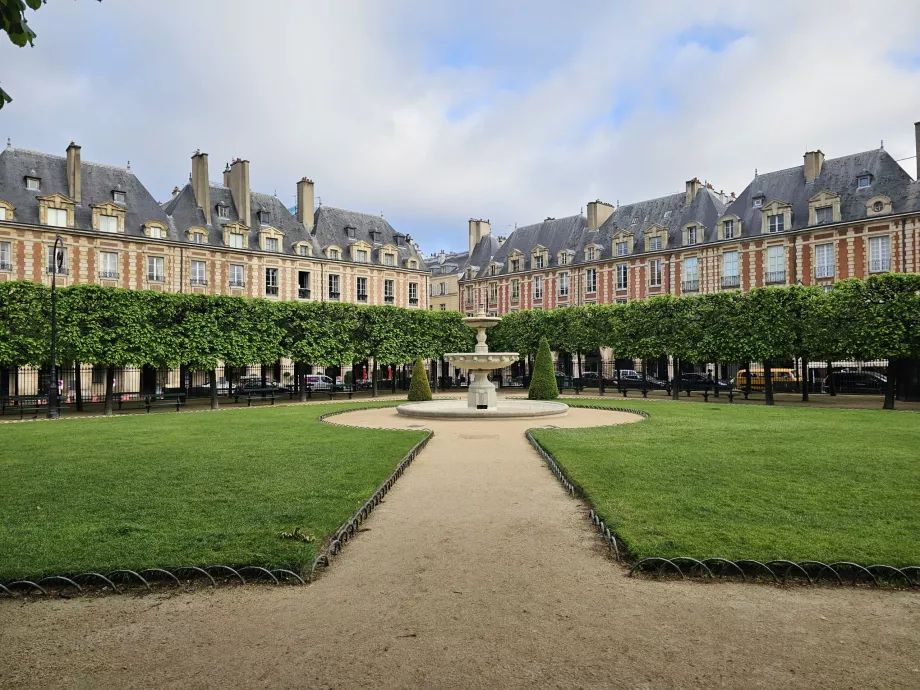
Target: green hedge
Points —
{"points": [[419, 389], [543, 382]]}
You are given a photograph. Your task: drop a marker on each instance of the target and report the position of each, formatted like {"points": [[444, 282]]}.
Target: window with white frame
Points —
{"points": [[156, 232], [591, 280], [776, 264], [303, 249], [303, 285], [537, 287], [271, 282], [413, 293], [776, 222], [197, 238], [56, 217], [333, 253], [515, 264], [654, 243], [592, 253], [109, 265], [199, 273], [493, 293], [824, 260], [728, 229], [563, 284], [863, 181], [223, 211], [654, 273], [237, 240], [388, 292], [333, 285], [6, 259], [444, 288], [691, 234], [265, 218], [108, 223], [361, 256], [538, 261], [879, 254], [236, 276], [564, 259], [757, 201], [824, 214], [62, 264], [118, 197], [691, 273], [515, 290], [389, 260], [468, 290], [361, 288], [731, 276], [271, 244], [156, 269], [2, 212], [33, 184], [622, 276], [622, 248]]}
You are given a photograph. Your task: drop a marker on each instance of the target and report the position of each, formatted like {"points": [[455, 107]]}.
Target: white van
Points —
{"points": [[318, 382]]}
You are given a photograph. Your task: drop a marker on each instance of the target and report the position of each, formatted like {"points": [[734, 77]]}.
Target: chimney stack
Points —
{"points": [[200, 185], [814, 161], [73, 171], [478, 229], [305, 203], [693, 186], [598, 213], [239, 189], [227, 176], [175, 192], [917, 137]]}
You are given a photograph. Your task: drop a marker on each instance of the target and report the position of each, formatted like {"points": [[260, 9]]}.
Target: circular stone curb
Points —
{"points": [[458, 409]]}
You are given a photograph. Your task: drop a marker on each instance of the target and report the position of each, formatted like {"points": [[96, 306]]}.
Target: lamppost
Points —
{"points": [[57, 266]]}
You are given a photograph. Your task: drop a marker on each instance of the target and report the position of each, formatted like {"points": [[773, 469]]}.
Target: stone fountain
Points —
{"points": [[481, 399]]}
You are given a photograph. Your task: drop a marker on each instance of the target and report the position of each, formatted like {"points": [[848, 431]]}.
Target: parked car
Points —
{"points": [[856, 382], [318, 382], [247, 383], [634, 380], [591, 379], [697, 382], [784, 380]]}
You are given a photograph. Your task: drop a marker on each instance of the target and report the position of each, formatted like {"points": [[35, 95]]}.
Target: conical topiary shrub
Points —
{"points": [[543, 382], [418, 388]]}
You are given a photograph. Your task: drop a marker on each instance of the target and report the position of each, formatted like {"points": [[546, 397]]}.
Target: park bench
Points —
{"points": [[176, 400], [258, 394], [333, 390], [24, 403]]}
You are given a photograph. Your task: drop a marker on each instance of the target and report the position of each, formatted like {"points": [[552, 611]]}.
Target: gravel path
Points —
{"points": [[478, 571]]}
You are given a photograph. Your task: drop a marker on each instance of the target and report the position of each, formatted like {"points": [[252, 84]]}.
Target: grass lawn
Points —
{"points": [[753, 482], [183, 489]]}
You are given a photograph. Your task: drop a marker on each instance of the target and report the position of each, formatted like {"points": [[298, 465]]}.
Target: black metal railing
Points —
{"points": [[774, 277], [199, 281], [879, 265], [271, 290], [334, 296], [109, 275], [238, 283], [303, 293], [731, 281], [155, 278], [690, 285]]}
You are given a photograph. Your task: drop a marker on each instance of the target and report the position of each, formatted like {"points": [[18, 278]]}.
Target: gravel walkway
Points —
{"points": [[478, 571]]}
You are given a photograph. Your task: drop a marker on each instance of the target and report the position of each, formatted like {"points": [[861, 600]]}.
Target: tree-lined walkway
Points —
{"points": [[478, 570]]}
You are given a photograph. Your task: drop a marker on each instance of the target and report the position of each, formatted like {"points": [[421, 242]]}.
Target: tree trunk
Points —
{"points": [[747, 381], [768, 383], [214, 389], [374, 379], [644, 379], [302, 373], [804, 379], [393, 378], [890, 387], [675, 391], [832, 386], [78, 386], [109, 389]]}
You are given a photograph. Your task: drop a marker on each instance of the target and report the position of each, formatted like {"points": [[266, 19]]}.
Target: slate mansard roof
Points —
{"points": [[838, 176], [181, 213]]}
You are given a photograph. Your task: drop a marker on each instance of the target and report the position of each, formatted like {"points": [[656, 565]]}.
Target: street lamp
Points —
{"points": [[57, 266]]}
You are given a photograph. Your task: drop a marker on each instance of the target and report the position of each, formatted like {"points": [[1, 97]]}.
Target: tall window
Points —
{"points": [[515, 290], [271, 281], [236, 240], [563, 284], [776, 223], [776, 269], [303, 249], [388, 292], [303, 284], [271, 244], [537, 287], [515, 264], [413, 293], [57, 217], [824, 260], [538, 261], [825, 214], [654, 273], [223, 211], [622, 276], [730, 276], [444, 289], [469, 295], [265, 217], [333, 253], [361, 288], [197, 238], [592, 253], [728, 229], [236, 275], [654, 243], [333, 285], [199, 275], [691, 274], [156, 269], [691, 234], [493, 293], [564, 259], [361, 256], [62, 265], [591, 280], [6, 259], [879, 254], [108, 223], [622, 248], [389, 260], [2, 212]]}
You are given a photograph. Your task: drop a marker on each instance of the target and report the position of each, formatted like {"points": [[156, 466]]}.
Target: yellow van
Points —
{"points": [[784, 380]]}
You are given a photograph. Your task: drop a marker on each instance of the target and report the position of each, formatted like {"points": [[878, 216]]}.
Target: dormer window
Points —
{"points": [[515, 264], [776, 223], [351, 231], [692, 235], [375, 235], [878, 206], [223, 211], [271, 244], [412, 263], [667, 214], [33, 184], [108, 223], [863, 181], [389, 260], [197, 238], [622, 248], [757, 201], [265, 218], [303, 250], [493, 270], [538, 261], [728, 229], [654, 243], [237, 240], [333, 253], [156, 232], [824, 214], [361, 256], [591, 253], [563, 258], [118, 197]]}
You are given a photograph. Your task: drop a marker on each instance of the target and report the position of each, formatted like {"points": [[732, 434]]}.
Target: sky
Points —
{"points": [[431, 113]]}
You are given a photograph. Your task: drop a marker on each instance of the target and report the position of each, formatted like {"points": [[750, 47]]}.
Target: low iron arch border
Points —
{"points": [[120, 580], [777, 571]]}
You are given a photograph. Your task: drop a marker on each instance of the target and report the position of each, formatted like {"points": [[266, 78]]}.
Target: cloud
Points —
{"points": [[435, 112]]}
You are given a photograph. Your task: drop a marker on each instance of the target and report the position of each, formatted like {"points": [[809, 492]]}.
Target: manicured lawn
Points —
{"points": [[183, 489], [753, 482]]}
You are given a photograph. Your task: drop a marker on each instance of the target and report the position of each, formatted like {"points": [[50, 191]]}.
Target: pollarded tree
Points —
{"points": [[198, 334], [771, 330], [25, 323], [378, 335]]}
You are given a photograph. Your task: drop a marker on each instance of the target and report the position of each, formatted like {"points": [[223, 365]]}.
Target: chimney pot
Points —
{"points": [[200, 185], [814, 161], [239, 190], [693, 186], [74, 169], [305, 203], [478, 229], [598, 213]]}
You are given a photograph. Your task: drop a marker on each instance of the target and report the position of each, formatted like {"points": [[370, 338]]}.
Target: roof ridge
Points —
{"points": [[45, 154], [646, 201]]}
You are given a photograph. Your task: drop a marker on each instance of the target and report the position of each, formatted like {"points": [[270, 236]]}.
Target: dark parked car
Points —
{"points": [[856, 382], [633, 380], [591, 379], [698, 382]]}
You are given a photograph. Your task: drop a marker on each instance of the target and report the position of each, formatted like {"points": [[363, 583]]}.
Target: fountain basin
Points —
{"points": [[505, 409], [482, 361]]}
